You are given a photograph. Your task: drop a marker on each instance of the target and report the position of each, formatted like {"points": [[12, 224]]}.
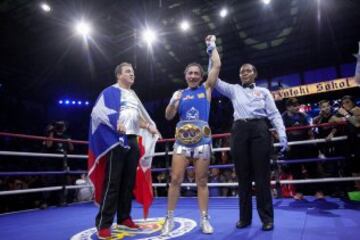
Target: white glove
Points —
{"points": [[283, 144]]}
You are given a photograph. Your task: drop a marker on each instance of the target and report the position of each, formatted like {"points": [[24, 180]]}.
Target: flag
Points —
{"points": [[103, 136], [143, 184]]}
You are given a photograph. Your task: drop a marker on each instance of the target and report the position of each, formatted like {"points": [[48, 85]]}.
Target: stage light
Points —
{"points": [[223, 12], [45, 7], [149, 36], [184, 25], [83, 28], [73, 102], [266, 1]]}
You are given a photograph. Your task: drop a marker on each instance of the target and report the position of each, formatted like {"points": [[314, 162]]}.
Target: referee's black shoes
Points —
{"points": [[242, 224], [267, 226]]}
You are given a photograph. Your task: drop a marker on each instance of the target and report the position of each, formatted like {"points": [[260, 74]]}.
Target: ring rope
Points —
{"points": [[34, 137], [222, 166], [273, 182], [40, 173], [56, 155], [232, 184], [37, 154], [307, 160]]}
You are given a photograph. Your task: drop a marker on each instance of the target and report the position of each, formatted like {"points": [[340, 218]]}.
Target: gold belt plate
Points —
{"points": [[191, 134]]}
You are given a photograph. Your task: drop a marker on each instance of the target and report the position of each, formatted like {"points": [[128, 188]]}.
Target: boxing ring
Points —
{"points": [[328, 218]]}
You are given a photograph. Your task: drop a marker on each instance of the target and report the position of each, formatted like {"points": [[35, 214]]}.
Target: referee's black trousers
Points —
{"points": [[118, 184], [250, 150]]}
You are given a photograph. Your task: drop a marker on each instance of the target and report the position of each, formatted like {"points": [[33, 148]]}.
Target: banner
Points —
{"points": [[315, 88]]}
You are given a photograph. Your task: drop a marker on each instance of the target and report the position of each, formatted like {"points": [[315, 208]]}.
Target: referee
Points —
{"points": [[251, 143]]}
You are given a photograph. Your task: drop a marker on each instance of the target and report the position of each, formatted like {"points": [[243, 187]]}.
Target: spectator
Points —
{"points": [[160, 191], [189, 178], [294, 118], [225, 156], [215, 177], [230, 177], [327, 168], [350, 113], [58, 130]]}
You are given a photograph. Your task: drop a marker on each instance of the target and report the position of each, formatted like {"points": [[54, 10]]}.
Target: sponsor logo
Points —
{"points": [[315, 88], [188, 97], [201, 95], [150, 229]]}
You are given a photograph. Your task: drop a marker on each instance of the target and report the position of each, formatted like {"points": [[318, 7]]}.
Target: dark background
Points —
{"points": [[42, 60]]}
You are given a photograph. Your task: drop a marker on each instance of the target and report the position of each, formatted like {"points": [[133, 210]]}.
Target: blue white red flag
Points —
{"points": [[143, 185]]}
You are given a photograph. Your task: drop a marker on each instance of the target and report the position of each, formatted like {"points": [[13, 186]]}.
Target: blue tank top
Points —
{"points": [[194, 104]]}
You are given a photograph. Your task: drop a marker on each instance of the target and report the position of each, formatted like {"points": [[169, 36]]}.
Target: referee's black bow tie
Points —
{"points": [[250, 85]]}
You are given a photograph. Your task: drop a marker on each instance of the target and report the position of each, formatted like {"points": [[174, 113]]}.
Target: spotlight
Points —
{"points": [[61, 102], [86, 103], [67, 102], [45, 7], [184, 25], [266, 1], [79, 103], [83, 28], [223, 12], [73, 102], [149, 36]]}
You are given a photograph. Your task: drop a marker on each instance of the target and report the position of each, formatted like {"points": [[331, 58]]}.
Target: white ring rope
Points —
{"points": [[232, 184], [81, 156], [273, 182], [294, 143], [35, 154], [32, 190]]}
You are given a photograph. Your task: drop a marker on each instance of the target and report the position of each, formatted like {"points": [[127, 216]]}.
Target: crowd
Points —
{"points": [[57, 129]]}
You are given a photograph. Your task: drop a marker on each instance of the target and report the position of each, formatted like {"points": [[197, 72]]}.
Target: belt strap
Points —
{"points": [[249, 119]]}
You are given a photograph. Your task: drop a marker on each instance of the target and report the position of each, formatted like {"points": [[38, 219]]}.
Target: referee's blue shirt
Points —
{"points": [[256, 102]]}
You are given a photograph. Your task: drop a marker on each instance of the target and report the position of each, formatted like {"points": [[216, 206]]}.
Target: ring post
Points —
{"points": [[64, 180]]}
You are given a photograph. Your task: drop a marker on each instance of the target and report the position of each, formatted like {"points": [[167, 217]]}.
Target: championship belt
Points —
{"points": [[192, 133]]}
